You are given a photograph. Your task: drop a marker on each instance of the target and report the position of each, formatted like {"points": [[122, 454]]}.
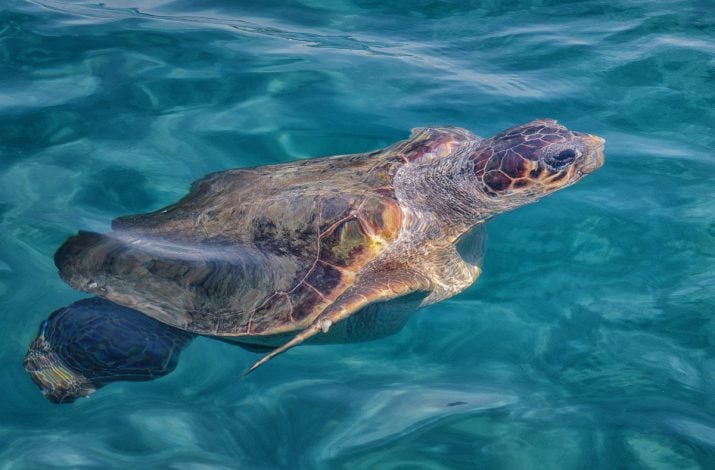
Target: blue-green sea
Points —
{"points": [[589, 340]]}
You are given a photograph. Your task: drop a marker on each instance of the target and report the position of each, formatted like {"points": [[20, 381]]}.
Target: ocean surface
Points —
{"points": [[589, 341]]}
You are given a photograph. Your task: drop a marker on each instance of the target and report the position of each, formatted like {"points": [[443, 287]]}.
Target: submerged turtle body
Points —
{"points": [[278, 255]]}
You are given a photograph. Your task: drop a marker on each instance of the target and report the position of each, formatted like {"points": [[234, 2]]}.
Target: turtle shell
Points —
{"points": [[258, 251]]}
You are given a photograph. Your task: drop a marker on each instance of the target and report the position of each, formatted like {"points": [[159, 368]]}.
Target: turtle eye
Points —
{"points": [[564, 155], [561, 159]]}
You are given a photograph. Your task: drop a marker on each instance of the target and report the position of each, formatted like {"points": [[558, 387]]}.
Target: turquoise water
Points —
{"points": [[589, 341]]}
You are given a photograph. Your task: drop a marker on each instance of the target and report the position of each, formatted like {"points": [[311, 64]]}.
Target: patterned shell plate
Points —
{"points": [[257, 251]]}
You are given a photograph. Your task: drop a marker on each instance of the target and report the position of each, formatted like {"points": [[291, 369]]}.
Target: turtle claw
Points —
{"points": [[309, 332]]}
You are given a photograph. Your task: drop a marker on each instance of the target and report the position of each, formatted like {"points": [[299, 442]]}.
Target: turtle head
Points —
{"points": [[527, 162]]}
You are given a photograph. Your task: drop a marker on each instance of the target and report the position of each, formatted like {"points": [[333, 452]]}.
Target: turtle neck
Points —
{"points": [[444, 192]]}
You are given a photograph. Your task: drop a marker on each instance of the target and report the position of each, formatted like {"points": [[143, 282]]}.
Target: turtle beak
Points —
{"points": [[595, 158]]}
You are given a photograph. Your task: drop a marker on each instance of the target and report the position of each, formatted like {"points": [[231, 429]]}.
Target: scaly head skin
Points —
{"points": [[515, 167], [527, 162]]}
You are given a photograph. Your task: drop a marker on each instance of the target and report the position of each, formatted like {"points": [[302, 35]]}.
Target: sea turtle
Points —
{"points": [[334, 249]]}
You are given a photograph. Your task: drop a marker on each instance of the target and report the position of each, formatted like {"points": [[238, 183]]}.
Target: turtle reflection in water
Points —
{"points": [[328, 250]]}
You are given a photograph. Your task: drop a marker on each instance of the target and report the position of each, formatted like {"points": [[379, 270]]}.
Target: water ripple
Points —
{"points": [[588, 338], [262, 26]]}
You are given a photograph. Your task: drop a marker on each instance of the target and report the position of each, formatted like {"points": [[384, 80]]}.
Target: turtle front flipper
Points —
{"points": [[379, 288], [94, 342]]}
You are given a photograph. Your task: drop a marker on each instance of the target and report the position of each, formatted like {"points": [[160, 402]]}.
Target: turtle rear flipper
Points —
{"points": [[94, 342]]}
